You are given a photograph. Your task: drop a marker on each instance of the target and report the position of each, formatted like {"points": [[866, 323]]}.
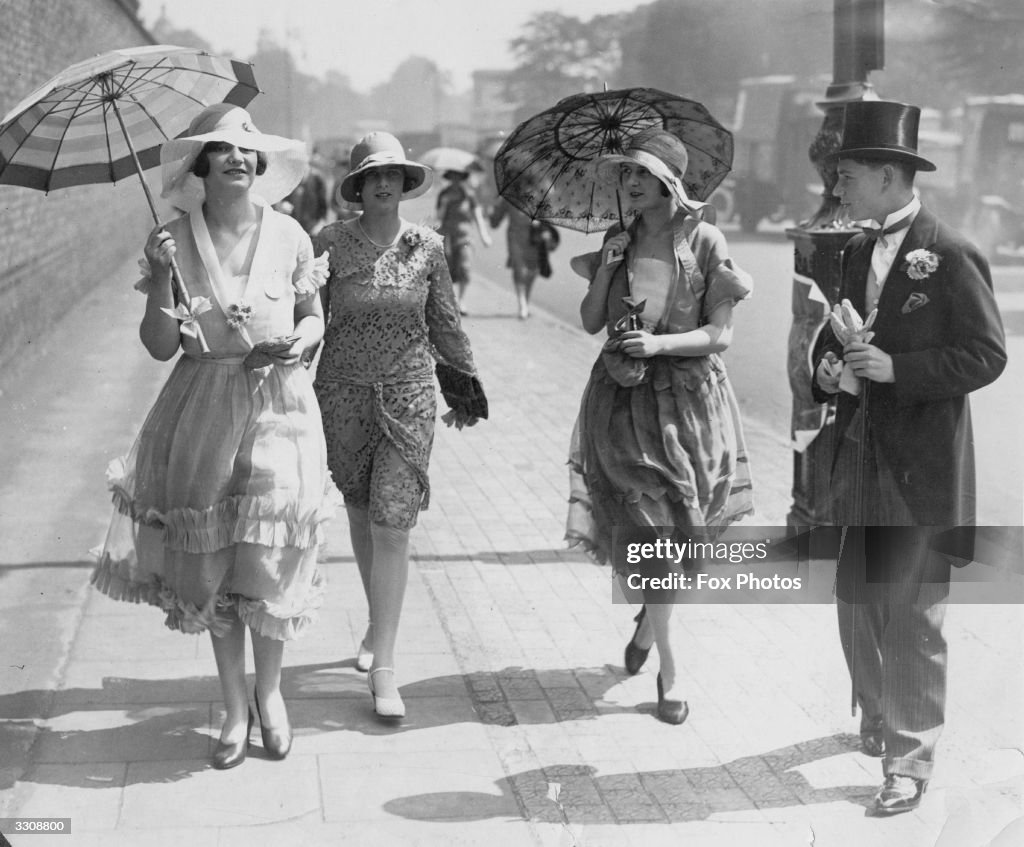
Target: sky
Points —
{"points": [[368, 39]]}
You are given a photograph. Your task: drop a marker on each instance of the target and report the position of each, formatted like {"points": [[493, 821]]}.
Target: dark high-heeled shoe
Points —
{"points": [[277, 743], [636, 656], [227, 756], [671, 711]]}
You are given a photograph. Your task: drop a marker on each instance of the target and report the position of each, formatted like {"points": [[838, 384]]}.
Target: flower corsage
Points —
{"points": [[238, 315], [411, 239], [920, 264]]}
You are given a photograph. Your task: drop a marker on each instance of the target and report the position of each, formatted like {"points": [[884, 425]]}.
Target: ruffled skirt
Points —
{"points": [[221, 501], [667, 453]]}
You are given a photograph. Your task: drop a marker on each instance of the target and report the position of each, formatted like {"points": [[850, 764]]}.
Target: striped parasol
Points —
{"points": [[91, 122], [105, 118]]}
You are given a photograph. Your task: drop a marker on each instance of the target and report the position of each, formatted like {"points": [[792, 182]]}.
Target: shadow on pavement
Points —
{"points": [[169, 735], [576, 794], [168, 721]]}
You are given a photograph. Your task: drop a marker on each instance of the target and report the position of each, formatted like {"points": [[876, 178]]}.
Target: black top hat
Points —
{"points": [[883, 130]]}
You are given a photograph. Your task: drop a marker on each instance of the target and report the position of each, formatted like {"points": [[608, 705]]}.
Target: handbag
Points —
{"points": [[544, 239], [626, 370]]}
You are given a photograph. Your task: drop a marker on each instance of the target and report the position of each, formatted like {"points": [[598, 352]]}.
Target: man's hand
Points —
{"points": [[830, 368], [868, 362]]}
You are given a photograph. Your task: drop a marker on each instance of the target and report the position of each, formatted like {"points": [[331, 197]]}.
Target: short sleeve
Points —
{"points": [[725, 282], [145, 280], [311, 271]]}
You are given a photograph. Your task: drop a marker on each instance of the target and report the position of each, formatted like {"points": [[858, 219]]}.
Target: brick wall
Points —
{"points": [[54, 248]]}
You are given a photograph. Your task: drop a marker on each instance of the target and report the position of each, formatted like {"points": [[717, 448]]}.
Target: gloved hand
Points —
{"points": [[274, 351], [848, 326], [459, 418]]}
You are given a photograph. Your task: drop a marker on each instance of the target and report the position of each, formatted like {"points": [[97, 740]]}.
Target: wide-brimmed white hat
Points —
{"points": [[380, 149], [287, 158], [665, 156]]}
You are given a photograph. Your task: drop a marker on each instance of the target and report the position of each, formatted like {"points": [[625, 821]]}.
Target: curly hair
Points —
{"points": [[201, 166]]}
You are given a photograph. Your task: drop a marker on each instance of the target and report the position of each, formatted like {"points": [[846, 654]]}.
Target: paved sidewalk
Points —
{"points": [[523, 728]]}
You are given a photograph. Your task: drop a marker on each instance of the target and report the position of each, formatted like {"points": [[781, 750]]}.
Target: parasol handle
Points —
{"points": [[622, 223], [176, 276]]}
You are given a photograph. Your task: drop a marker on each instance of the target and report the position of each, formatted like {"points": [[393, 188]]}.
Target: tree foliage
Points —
{"points": [[558, 55], [936, 51], [412, 99], [296, 104]]}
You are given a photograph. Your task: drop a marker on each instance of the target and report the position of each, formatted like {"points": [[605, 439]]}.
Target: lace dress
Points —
{"points": [[670, 451], [392, 312], [220, 502]]}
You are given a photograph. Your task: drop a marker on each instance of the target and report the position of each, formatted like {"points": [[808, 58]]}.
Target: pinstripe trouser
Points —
{"points": [[894, 647]]}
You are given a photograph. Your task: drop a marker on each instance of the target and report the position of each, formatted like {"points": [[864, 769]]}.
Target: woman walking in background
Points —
{"points": [[391, 309], [458, 214], [221, 500], [529, 243], [658, 442]]}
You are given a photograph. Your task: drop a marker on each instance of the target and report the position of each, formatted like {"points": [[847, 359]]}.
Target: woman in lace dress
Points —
{"points": [[391, 312], [664, 449], [221, 500]]}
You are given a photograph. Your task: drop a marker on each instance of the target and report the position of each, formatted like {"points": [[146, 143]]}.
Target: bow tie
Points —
{"points": [[876, 233]]}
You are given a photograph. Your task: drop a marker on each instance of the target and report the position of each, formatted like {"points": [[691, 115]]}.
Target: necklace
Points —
{"points": [[359, 223]]}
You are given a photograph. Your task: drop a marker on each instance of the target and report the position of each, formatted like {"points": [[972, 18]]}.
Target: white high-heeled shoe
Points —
{"points": [[385, 707]]}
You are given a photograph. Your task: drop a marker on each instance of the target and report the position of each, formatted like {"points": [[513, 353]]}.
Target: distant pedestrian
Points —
{"points": [[658, 442], [221, 500], [459, 213], [904, 463], [390, 309], [307, 203], [530, 244]]}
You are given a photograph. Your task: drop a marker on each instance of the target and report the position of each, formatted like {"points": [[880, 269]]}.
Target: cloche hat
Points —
{"points": [[665, 156], [287, 158], [881, 130], [379, 149]]}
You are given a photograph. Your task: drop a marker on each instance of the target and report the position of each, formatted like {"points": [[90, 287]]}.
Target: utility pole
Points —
{"points": [[857, 49]]}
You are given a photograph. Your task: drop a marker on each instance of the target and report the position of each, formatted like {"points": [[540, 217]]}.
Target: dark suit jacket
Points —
{"points": [[945, 337]]}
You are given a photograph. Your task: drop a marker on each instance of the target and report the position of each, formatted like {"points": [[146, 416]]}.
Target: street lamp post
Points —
{"points": [[857, 50]]}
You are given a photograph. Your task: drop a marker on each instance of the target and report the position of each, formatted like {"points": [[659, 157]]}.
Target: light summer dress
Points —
{"points": [[668, 452], [221, 501]]}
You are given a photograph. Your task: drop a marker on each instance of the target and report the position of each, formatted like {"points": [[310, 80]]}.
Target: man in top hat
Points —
{"points": [[903, 468]]}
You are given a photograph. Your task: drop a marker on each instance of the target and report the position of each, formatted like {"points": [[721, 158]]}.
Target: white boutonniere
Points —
{"points": [[920, 264]]}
